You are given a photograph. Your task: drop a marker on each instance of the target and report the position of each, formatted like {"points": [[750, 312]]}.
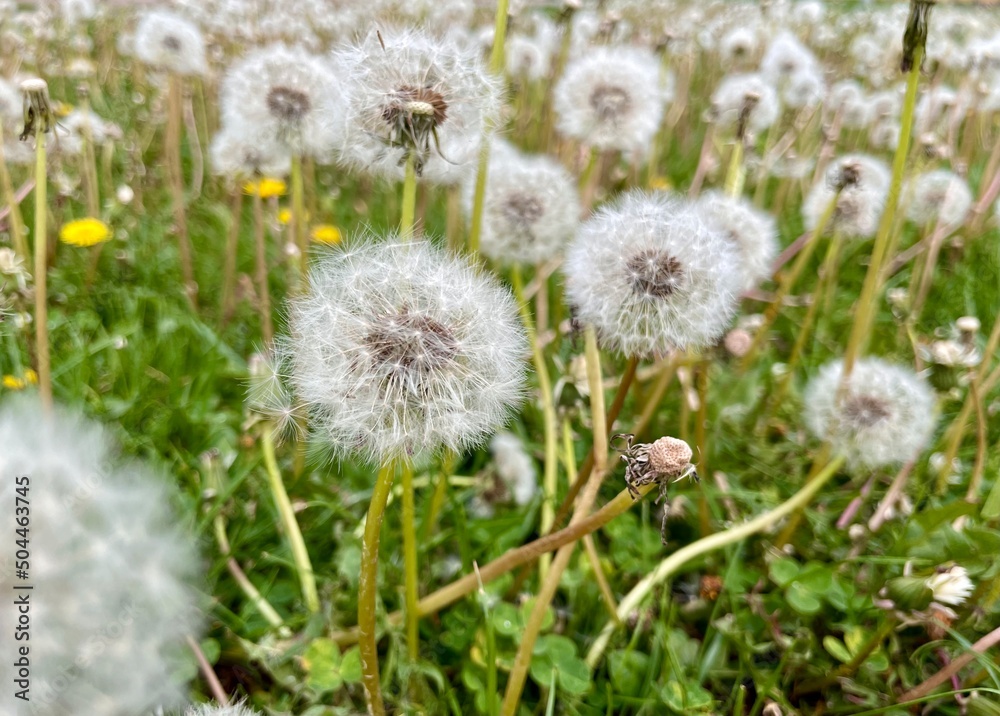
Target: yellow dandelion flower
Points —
{"points": [[284, 215], [31, 377], [12, 382], [660, 184], [267, 187], [84, 232], [325, 234]]}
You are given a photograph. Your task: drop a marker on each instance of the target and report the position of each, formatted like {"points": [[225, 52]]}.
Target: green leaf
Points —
{"points": [[783, 571], [628, 671], [322, 663], [350, 666], [507, 619], [837, 649], [802, 600]]}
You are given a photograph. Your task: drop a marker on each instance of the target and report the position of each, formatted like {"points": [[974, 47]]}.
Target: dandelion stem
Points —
{"points": [[41, 270], [512, 559], [260, 247], [735, 175], [300, 555], [788, 280], [16, 222], [229, 261], [299, 222], [368, 591], [176, 171], [550, 475], [655, 395], [707, 544], [547, 590], [865, 312], [410, 563], [409, 197]]}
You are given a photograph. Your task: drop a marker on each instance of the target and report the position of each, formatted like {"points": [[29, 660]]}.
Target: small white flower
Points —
{"points": [[951, 585]]}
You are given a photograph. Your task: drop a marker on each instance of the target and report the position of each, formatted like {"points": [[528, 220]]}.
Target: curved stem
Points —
{"points": [[299, 553], [41, 273], [707, 544], [368, 591], [410, 562]]}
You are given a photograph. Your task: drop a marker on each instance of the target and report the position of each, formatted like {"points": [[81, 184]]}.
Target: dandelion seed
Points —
{"points": [[651, 275], [612, 98], [84, 232], [410, 93], [110, 569], [885, 415], [400, 348]]}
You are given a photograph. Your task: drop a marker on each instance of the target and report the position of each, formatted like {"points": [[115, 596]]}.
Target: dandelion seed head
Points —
{"points": [[170, 42], [785, 58], [849, 99], [531, 207], [729, 100], [939, 195], [409, 92], [753, 232], [401, 348], [612, 98], [514, 466], [237, 151], [110, 568], [216, 710], [284, 95], [885, 414], [651, 275], [865, 182]]}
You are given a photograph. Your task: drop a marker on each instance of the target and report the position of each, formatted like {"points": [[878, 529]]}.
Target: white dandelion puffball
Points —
{"points": [[612, 98], [286, 95], [886, 414], [786, 57], [938, 195], [735, 92], [951, 585], [848, 98], [859, 206], [531, 208], [650, 274], [514, 466], [109, 566], [216, 710], [401, 348], [171, 43], [237, 152], [752, 231], [430, 97]]}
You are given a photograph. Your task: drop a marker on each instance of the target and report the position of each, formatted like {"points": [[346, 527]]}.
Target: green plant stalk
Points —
{"points": [[440, 492], [300, 555], [788, 282], [550, 472], [368, 591], [735, 176], [176, 172], [410, 562], [41, 271], [547, 590], [408, 211], [229, 260], [512, 559], [482, 171], [707, 544], [16, 222], [655, 396], [299, 222], [88, 167], [865, 313], [260, 247]]}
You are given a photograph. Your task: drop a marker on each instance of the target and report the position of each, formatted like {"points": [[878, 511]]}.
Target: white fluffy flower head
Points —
{"points": [[109, 567], [865, 182], [748, 97], [514, 466], [612, 98], [938, 195], [216, 710], [286, 95], [531, 207], [401, 348], [409, 92], [751, 230], [885, 415], [651, 275], [238, 151], [170, 42]]}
